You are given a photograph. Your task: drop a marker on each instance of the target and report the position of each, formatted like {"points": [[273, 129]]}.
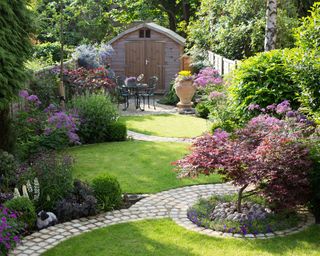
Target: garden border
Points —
{"points": [[171, 203]]}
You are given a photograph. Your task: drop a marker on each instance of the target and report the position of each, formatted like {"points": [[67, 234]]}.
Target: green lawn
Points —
{"points": [[141, 167], [179, 126], [164, 237]]}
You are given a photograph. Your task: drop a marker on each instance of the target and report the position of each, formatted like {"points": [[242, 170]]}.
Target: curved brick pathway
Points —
{"points": [[172, 203], [140, 136]]}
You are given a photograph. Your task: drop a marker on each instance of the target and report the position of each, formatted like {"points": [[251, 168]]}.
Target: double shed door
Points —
{"points": [[145, 57]]}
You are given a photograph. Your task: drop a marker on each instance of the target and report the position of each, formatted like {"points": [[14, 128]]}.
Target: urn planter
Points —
{"points": [[185, 91]]}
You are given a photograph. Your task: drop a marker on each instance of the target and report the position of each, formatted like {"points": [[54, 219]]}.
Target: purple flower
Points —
{"points": [[253, 106], [216, 94], [208, 76], [23, 94], [131, 79], [51, 108], [220, 135], [34, 99], [271, 107], [243, 230], [283, 107], [291, 113]]}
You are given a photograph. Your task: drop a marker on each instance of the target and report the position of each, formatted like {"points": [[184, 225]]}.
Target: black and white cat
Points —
{"points": [[46, 219]]}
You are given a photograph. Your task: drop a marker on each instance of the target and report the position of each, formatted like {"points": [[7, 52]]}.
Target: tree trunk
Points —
{"points": [[6, 137], [240, 193], [172, 21], [62, 90], [186, 11], [271, 26]]}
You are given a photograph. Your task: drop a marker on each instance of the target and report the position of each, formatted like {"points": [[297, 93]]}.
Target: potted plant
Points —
{"points": [[185, 89], [131, 81]]}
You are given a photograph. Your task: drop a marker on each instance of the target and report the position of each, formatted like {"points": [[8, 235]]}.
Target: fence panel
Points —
{"points": [[223, 65]]}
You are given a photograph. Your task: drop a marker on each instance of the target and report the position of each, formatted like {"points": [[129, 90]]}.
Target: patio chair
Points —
{"points": [[123, 93], [150, 91]]}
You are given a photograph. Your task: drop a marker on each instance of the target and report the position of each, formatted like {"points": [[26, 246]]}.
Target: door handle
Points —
{"points": [[147, 62]]}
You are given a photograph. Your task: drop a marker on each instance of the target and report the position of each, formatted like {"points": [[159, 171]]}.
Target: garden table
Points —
{"points": [[135, 91]]}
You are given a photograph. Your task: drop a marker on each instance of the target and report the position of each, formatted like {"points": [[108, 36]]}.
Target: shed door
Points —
{"points": [[135, 58], [145, 57]]}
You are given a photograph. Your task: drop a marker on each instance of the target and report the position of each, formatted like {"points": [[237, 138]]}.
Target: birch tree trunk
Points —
{"points": [[271, 26], [61, 86]]}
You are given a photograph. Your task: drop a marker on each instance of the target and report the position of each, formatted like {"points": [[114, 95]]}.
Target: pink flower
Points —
{"points": [[216, 94], [283, 107], [23, 94], [252, 107]]}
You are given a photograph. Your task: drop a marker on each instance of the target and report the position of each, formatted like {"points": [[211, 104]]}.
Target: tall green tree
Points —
{"points": [[15, 46], [236, 28], [84, 20], [176, 15]]}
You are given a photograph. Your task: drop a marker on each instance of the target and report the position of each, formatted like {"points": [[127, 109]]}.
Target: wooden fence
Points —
{"points": [[18, 104], [222, 64]]}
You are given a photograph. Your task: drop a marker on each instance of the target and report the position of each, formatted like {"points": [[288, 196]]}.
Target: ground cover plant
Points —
{"points": [[164, 237], [214, 213], [140, 167], [166, 125]]}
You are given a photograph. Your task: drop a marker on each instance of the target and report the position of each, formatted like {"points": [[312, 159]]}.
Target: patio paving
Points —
{"points": [[160, 109]]}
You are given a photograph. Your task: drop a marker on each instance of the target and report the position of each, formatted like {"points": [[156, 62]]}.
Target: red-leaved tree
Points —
{"points": [[268, 153]]}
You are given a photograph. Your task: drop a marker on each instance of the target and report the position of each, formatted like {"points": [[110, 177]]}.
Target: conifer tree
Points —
{"points": [[15, 46]]}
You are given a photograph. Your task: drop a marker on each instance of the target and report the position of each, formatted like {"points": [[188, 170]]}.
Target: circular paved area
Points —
{"points": [[172, 203]]}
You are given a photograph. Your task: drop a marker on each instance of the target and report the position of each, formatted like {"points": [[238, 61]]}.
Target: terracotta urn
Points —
{"points": [[185, 91]]}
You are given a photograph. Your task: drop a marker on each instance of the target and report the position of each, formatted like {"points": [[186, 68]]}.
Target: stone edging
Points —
{"points": [[181, 219], [171, 203]]}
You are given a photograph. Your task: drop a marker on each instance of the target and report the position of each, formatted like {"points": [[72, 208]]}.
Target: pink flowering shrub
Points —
{"points": [[208, 76], [267, 153], [9, 230]]}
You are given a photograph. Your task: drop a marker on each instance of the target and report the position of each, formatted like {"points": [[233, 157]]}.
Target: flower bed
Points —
{"points": [[220, 214]]}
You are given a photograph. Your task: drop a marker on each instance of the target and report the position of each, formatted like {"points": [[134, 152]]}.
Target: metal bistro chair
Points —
{"points": [[123, 92], [150, 91]]}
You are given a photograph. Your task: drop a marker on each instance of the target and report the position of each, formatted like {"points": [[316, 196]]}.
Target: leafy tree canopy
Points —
{"points": [[236, 28]]}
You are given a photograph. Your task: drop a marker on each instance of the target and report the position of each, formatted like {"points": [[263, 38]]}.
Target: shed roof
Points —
{"points": [[171, 34]]}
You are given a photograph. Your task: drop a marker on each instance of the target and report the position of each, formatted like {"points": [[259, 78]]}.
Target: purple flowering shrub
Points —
{"points": [[9, 230], [49, 128], [214, 104], [267, 153], [264, 79]]}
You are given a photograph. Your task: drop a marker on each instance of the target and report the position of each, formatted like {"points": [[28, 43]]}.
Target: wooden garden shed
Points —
{"points": [[148, 49]]}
